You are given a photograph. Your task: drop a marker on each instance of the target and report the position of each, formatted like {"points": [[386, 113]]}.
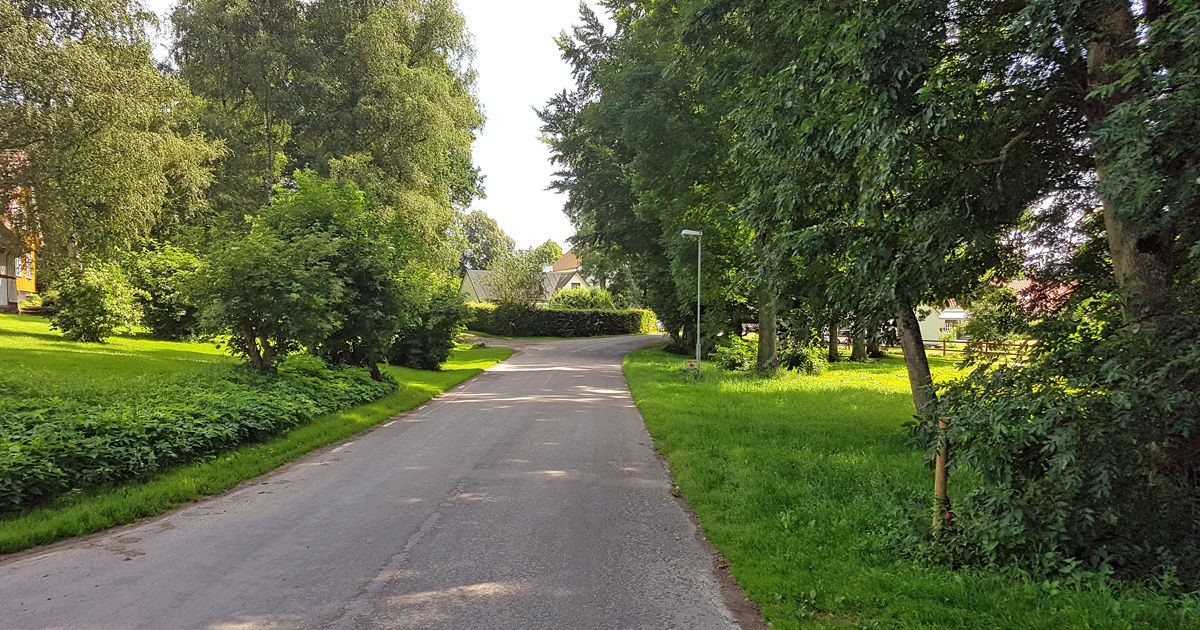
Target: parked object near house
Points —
{"points": [[475, 287]]}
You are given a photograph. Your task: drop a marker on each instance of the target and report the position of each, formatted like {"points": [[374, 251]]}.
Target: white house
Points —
{"points": [[475, 286], [935, 321]]}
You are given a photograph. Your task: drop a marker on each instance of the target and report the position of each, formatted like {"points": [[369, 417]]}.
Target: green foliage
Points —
{"points": [[92, 302], [427, 344], [794, 479], [736, 354], [163, 274], [98, 143], [377, 93], [547, 253], [516, 281], [1086, 457], [127, 368], [56, 445], [330, 225], [267, 296], [551, 322], [740, 354], [484, 243], [591, 298]]}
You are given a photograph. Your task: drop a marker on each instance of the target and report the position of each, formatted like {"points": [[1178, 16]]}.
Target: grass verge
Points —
{"points": [[88, 512], [794, 479]]}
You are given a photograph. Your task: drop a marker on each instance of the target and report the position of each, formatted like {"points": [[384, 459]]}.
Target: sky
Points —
{"points": [[519, 68]]}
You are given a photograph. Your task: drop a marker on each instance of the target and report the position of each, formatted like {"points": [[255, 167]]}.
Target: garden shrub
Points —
{"points": [[163, 274], [551, 322], [591, 298], [427, 344], [805, 359], [92, 302], [51, 446], [1087, 458], [737, 354]]}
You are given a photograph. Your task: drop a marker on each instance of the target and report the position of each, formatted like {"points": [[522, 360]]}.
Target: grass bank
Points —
{"points": [[794, 478], [128, 366]]}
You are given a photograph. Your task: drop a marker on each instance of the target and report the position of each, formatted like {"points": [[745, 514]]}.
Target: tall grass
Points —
{"points": [[795, 478]]}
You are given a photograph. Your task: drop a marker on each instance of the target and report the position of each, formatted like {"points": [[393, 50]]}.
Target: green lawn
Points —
{"points": [[794, 478], [31, 354]]}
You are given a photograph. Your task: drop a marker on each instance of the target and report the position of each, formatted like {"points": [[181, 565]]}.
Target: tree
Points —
{"points": [[268, 296], [547, 253], [516, 281], [99, 141], [375, 93], [348, 237], [484, 242]]}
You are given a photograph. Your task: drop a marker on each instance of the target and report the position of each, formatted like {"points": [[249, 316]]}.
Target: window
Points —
{"points": [[574, 285], [28, 258]]}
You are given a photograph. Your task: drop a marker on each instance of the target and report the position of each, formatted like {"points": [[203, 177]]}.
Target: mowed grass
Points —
{"points": [[28, 348], [795, 479]]}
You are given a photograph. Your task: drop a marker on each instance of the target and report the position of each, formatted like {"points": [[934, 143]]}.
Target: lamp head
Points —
{"points": [[692, 233]]}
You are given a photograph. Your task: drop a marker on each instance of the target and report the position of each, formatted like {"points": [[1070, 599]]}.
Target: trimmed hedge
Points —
{"points": [[554, 322], [51, 446]]}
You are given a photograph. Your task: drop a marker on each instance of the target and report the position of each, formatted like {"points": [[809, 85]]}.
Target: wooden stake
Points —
{"points": [[940, 476]]}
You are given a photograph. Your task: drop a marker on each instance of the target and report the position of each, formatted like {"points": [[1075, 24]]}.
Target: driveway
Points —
{"points": [[528, 497]]}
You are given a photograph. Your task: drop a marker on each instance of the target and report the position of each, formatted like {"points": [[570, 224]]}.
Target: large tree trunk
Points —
{"points": [[859, 351], [1143, 263], [834, 355], [919, 377], [768, 331]]}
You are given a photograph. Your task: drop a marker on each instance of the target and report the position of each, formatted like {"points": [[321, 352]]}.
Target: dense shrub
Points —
{"points": [[737, 354], [163, 273], [805, 359], [54, 445], [1085, 458], [92, 302], [591, 298], [742, 355], [550, 322], [426, 344]]}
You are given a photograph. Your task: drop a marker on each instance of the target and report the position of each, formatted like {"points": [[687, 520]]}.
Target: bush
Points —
{"points": [[592, 298], [162, 275], [742, 355], [805, 359], [737, 354], [427, 344], [549, 322], [1085, 458], [93, 302], [51, 446]]}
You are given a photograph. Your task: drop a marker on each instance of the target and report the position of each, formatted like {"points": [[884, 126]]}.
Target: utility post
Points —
{"points": [[699, 240]]}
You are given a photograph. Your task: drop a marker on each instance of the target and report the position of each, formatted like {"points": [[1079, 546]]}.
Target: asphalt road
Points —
{"points": [[529, 497]]}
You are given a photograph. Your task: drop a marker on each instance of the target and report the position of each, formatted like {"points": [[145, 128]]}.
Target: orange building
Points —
{"points": [[18, 272]]}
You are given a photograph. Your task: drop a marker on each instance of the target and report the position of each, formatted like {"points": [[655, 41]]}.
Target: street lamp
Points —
{"points": [[699, 239]]}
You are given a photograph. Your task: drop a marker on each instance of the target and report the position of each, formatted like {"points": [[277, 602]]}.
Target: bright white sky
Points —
{"points": [[519, 68]]}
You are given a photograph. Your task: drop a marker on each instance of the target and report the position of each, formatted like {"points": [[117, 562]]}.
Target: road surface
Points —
{"points": [[529, 497]]}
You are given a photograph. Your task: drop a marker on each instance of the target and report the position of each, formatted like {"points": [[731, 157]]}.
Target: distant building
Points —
{"points": [[18, 272], [567, 262], [475, 286]]}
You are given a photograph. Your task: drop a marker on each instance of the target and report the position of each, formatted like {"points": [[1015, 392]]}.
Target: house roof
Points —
{"points": [[568, 261], [552, 281]]}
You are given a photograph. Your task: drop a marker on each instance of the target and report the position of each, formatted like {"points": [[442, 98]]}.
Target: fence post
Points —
{"points": [[940, 477]]}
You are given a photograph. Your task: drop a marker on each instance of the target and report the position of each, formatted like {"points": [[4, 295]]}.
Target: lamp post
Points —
{"points": [[699, 240]]}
